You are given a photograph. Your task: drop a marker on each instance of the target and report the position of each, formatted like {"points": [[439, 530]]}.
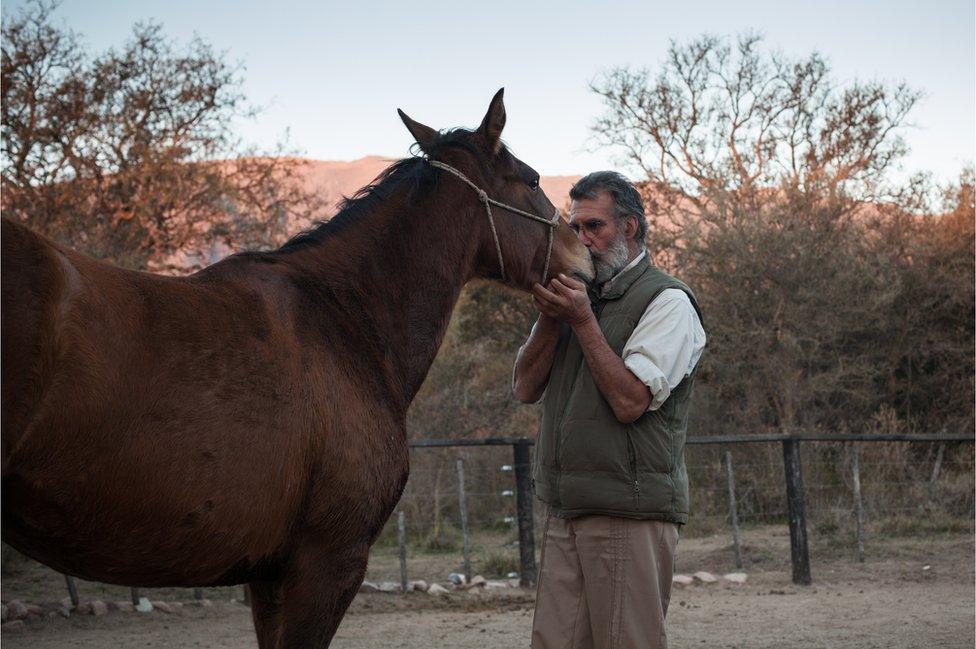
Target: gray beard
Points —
{"points": [[612, 261]]}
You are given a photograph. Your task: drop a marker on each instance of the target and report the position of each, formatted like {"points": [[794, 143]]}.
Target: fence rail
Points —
{"points": [[793, 475]]}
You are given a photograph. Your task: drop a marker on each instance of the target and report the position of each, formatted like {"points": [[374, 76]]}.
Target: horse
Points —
{"points": [[246, 424]]}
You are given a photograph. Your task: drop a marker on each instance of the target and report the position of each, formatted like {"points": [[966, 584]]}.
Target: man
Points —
{"points": [[615, 378]]}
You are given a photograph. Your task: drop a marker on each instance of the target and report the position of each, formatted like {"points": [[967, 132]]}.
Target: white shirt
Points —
{"points": [[667, 342]]}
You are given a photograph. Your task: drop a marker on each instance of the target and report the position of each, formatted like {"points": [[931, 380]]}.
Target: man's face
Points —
{"points": [[603, 234]]}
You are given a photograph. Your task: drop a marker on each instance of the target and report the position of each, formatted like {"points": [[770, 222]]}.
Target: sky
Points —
{"points": [[332, 74]]}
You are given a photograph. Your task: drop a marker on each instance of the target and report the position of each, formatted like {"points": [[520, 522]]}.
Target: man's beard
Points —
{"points": [[611, 261]]}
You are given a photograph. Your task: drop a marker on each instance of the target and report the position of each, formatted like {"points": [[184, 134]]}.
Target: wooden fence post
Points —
{"points": [[523, 506], [799, 548], [463, 504], [734, 514], [134, 594], [858, 503], [402, 535]]}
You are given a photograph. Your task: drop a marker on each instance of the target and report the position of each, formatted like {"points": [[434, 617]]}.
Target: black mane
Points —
{"points": [[413, 172]]}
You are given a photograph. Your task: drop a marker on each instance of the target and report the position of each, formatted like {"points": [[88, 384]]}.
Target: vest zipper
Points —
{"points": [[632, 456]]}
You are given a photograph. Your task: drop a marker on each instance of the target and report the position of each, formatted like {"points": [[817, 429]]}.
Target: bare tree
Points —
{"points": [[718, 122], [131, 154]]}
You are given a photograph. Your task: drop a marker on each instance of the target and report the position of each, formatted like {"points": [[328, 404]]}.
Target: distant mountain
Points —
{"points": [[333, 180]]}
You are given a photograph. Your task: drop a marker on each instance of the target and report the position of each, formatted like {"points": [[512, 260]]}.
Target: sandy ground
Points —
{"points": [[891, 601]]}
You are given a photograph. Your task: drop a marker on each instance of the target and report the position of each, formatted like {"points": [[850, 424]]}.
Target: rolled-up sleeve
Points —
{"points": [[666, 344], [519, 353]]}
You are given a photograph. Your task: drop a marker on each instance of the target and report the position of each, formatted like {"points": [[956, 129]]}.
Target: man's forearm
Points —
{"points": [[627, 395], [534, 362]]}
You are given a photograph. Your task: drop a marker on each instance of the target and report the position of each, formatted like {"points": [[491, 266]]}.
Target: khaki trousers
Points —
{"points": [[604, 583]]}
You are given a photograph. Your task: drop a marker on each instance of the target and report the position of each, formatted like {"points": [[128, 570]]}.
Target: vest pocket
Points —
{"points": [[653, 443]]}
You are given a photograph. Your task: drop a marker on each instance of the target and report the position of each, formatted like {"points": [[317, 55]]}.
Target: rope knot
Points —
{"points": [[482, 196]]}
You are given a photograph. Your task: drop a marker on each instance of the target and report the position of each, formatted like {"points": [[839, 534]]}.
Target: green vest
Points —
{"points": [[586, 461]]}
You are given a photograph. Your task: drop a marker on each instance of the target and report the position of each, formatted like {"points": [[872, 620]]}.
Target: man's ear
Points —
{"points": [[424, 135], [630, 230], [494, 121]]}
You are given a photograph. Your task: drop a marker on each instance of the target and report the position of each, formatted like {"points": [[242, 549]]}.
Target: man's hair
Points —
{"points": [[626, 199]]}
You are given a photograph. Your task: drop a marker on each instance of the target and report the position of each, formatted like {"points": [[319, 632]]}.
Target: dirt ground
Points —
{"points": [[909, 593]]}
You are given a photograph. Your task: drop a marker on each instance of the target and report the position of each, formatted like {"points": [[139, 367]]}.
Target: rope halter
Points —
{"points": [[487, 201]]}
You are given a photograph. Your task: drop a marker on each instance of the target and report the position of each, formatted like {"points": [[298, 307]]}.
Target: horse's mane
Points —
{"points": [[413, 174]]}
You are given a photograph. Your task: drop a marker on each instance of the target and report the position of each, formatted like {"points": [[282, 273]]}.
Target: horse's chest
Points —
{"points": [[361, 470]]}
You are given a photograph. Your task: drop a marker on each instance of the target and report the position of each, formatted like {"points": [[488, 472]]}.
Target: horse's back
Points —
{"points": [[33, 283]]}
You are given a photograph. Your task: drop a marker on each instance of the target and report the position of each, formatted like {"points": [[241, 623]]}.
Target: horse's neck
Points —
{"points": [[398, 272]]}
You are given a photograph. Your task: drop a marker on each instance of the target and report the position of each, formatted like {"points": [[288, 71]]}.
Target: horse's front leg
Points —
{"points": [[315, 590], [266, 612]]}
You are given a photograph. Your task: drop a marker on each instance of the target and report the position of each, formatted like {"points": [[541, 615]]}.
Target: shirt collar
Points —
{"points": [[609, 283]]}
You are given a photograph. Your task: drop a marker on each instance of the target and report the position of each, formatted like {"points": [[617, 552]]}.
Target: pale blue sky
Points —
{"points": [[334, 73]]}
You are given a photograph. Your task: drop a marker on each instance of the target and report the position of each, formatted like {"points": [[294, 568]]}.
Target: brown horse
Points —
{"points": [[246, 424]]}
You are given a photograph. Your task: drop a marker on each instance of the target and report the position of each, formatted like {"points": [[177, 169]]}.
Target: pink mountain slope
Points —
{"points": [[332, 180]]}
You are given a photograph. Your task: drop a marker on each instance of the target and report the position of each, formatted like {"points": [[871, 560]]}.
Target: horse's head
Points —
{"points": [[530, 243]]}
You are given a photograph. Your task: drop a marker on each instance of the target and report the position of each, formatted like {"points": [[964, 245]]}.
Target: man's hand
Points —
{"points": [[565, 300]]}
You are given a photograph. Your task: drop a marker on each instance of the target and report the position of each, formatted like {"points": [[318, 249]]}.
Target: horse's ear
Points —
{"points": [[494, 121], [423, 134]]}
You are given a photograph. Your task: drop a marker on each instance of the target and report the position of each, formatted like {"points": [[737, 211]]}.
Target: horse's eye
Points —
{"points": [[534, 184]]}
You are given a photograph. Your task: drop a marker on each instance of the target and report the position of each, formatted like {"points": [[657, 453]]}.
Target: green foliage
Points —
{"points": [[443, 538], [498, 565]]}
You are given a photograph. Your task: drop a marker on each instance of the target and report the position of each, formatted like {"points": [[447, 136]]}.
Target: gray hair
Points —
{"points": [[626, 199]]}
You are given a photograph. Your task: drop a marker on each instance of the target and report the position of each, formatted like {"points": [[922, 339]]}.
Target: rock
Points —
{"points": [[437, 589], [16, 610], [124, 605], [34, 609], [165, 607], [476, 581], [457, 579], [418, 585], [144, 605], [736, 577], [16, 626], [682, 580], [368, 587], [98, 607], [705, 577], [66, 603], [493, 584], [3, 613], [64, 612], [389, 587]]}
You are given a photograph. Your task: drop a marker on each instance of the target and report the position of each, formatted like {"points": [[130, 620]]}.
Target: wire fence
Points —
{"points": [[905, 487], [462, 506]]}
